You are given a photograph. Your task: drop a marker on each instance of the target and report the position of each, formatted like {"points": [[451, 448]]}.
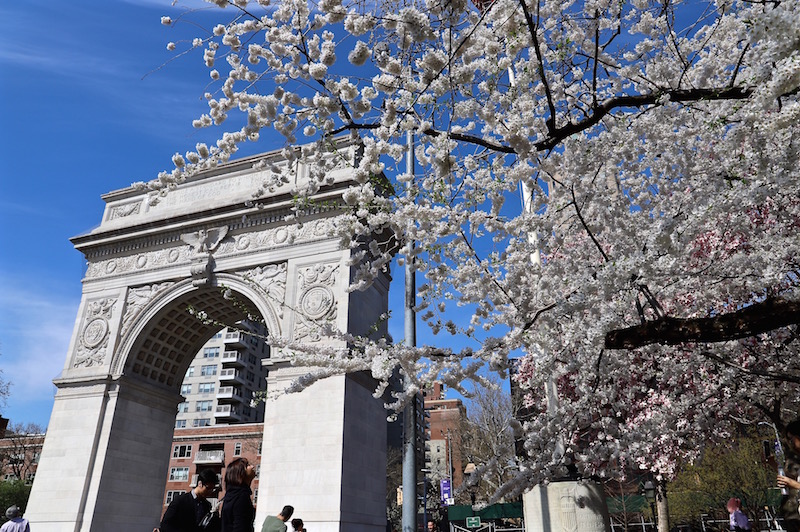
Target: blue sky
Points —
{"points": [[85, 110], [88, 105]]}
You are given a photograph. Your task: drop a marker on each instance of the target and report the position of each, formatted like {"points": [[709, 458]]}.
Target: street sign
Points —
{"points": [[473, 522]]}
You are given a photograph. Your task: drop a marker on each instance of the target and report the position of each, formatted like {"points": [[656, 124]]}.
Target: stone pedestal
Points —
{"points": [[566, 506]]}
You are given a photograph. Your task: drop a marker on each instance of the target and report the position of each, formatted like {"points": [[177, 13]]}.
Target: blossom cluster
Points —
{"points": [[581, 167]]}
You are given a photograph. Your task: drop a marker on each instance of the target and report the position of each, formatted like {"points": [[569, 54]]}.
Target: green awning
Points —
{"points": [[627, 504], [494, 511]]}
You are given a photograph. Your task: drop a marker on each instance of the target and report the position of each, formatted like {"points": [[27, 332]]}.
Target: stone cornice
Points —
{"points": [[146, 236]]}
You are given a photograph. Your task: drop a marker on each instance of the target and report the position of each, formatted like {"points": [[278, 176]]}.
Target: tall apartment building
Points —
{"points": [[218, 421], [219, 385]]}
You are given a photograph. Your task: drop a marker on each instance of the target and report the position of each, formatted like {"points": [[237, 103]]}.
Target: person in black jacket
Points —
{"points": [[238, 513], [186, 510]]}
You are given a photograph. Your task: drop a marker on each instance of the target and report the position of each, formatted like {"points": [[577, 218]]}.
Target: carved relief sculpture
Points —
{"points": [[137, 299], [316, 304], [270, 280], [93, 339], [203, 243]]}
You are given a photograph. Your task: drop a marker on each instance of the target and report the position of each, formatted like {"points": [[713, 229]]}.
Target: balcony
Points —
{"points": [[233, 357], [231, 375], [228, 413], [235, 339], [210, 457], [194, 485], [230, 393]]}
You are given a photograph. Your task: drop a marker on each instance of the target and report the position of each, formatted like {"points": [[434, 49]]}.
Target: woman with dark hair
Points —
{"points": [[238, 512]]}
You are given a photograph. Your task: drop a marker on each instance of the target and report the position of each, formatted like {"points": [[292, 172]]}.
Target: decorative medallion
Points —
{"points": [[316, 301], [281, 234], [316, 307], [243, 242], [94, 337], [141, 261], [95, 332]]}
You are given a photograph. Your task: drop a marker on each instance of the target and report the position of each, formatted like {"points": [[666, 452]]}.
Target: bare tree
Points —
{"points": [[488, 442], [19, 450]]}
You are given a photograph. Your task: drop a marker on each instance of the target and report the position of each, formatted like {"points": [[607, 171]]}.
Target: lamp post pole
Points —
{"points": [[410, 414], [649, 490]]}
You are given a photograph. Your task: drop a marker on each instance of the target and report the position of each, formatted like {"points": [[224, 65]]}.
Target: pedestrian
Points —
{"points": [[238, 513], [278, 523], [790, 480], [15, 523], [297, 525], [738, 521], [187, 510]]}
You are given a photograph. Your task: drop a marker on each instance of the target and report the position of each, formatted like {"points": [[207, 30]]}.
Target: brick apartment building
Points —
{"points": [[196, 449], [445, 417]]}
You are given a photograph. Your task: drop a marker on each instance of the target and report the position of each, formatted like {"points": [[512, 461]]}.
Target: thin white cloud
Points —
{"points": [[35, 329]]}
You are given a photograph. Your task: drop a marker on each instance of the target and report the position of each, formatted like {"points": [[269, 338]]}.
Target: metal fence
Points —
{"points": [[766, 521]]}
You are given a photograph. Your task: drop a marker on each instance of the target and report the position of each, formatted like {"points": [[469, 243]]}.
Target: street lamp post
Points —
{"points": [[649, 490]]}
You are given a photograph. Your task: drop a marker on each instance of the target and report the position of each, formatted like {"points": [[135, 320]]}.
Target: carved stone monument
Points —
{"points": [[566, 506], [204, 250]]}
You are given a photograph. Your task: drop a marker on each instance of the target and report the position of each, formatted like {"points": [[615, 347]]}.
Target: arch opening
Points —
{"points": [[164, 348]]}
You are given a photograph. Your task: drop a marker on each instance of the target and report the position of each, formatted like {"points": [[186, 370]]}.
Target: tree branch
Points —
{"points": [[761, 317]]}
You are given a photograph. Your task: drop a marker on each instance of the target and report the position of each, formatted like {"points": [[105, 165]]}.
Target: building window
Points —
{"points": [[186, 389], [258, 470], [205, 387], [183, 407], [255, 496], [182, 451], [211, 352], [251, 359], [260, 443], [216, 336], [204, 406], [171, 494], [202, 422], [251, 376], [237, 449], [180, 423], [208, 370], [178, 474], [190, 371]]}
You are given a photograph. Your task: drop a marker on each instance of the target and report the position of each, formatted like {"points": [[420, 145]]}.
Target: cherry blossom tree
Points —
{"points": [[607, 189]]}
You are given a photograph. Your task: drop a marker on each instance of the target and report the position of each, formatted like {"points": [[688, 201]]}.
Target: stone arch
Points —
{"points": [[104, 460], [163, 336]]}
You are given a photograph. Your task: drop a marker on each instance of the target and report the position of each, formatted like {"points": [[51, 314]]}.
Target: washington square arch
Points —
{"points": [[106, 453]]}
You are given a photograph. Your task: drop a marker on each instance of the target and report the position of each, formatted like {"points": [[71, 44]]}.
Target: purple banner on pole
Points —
{"points": [[445, 490]]}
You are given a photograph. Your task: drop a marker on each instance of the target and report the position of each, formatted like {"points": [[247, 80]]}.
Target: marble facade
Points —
{"points": [[206, 246]]}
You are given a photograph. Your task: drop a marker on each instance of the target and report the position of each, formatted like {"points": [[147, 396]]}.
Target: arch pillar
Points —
{"points": [[324, 452], [104, 457]]}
